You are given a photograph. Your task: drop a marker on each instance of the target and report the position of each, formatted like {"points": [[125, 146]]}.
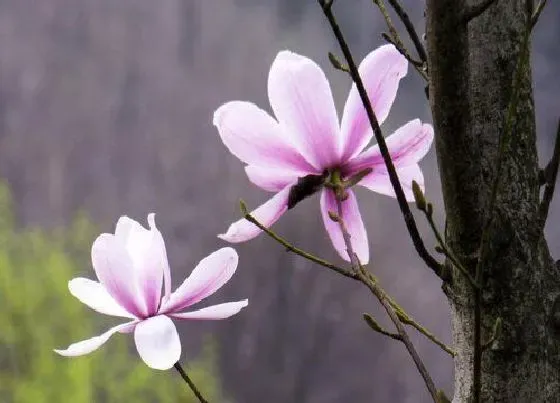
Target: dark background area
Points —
{"points": [[106, 106]]}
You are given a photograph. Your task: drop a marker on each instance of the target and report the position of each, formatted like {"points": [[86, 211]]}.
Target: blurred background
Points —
{"points": [[106, 109]]}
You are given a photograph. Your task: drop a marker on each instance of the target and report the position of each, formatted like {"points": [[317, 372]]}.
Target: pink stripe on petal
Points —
{"points": [[381, 71], [267, 214], [208, 276], [94, 295], [272, 179], [301, 98], [87, 346], [378, 181], [115, 269], [352, 219], [214, 312], [254, 137], [407, 145]]}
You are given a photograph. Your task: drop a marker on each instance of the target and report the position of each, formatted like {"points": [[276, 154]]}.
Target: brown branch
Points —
{"points": [[410, 29], [550, 174], [383, 298], [430, 261], [189, 382], [474, 11], [537, 13]]}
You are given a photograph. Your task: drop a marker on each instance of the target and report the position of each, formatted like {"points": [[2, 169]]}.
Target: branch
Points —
{"points": [[537, 13], [410, 29], [474, 11], [189, 382], [430, 261], [395, 39], [292, 248], [550, 174], [372, 323], [383, 298]]}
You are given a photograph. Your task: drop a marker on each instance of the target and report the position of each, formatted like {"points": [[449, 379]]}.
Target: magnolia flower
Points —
{"points": [[132, 269], [305, 142]]}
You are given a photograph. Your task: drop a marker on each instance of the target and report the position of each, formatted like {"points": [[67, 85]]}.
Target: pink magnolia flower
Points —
{"points": [[132, 269], [307, 139]]}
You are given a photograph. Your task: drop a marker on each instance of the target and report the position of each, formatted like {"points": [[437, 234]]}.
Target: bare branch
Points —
{"points": [[382, 297], [189, 382], [474, 11], [430, 261], [410, 29], [372, 323], [550, 174], [537, 13]]}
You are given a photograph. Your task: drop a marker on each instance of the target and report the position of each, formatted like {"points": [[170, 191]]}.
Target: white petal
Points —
{"points": [[157, 342], [378, 181], [267, 214], [381, 72], [94, 295], [354, 225], [214, 312], [208, 276], [253, 136], [87, 346], [301, 98], [272, 179]]}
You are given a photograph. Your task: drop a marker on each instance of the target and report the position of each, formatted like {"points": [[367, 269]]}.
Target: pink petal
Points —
{"points": [[94, 295], [379, 182], [407, 145], [352, 219], [381, 71], [157, 342], [214, 312], [146, 249], [272, 179], [254, 137], [87, 346], [207, 277], [116, 273], [267, 214], [301, 98]]}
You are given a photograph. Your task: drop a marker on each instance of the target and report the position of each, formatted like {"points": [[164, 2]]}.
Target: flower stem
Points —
{"points": [[189, 382]]}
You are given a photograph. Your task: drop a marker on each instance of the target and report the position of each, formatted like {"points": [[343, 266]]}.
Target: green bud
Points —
{"points": [[418, 196]]}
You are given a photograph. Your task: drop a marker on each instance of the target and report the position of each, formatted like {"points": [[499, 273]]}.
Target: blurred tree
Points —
{"points": [[39, 314]]}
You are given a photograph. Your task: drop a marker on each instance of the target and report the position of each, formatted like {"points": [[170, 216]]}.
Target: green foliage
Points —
{"points": [[38, 314]]}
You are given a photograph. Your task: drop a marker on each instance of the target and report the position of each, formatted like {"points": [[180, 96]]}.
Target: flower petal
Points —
{"points": [[267, 214], [94, 295], [87, 346], [381, 71], [301, 98], [207, 277], [114, 269], [272, 179], [146, 249], [354, 224], [214, 312], [407, 145], [157, 342], [378, 181], [254, 137]]}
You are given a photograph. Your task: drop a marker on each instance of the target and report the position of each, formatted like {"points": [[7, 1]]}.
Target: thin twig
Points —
{"points": [[189, 382], [474, 11], [297, 251], [410, 29], [383, 298], [537, 13], [550, 173], [372, 323], [394, 38], [430, 261]]}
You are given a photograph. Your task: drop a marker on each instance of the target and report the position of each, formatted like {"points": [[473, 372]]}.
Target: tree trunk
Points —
{"points": [[471, 70]]}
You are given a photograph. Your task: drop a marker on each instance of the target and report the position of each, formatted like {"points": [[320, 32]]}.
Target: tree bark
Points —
{"points": [[471, 67]]}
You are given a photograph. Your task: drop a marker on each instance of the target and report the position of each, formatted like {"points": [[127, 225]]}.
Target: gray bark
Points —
{"points": [[471, 69]]}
